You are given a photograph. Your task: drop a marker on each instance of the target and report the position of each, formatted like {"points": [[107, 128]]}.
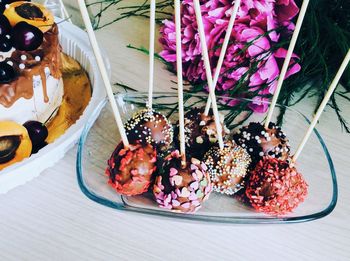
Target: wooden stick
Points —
{"points": [[151, 52], [323, 105], [180, 80], [205, 56], [103, 71], [223, 50], [65, 12], [287, 61]]}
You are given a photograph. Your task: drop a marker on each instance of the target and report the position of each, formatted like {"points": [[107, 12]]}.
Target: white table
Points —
{"points": [[50, 219]]}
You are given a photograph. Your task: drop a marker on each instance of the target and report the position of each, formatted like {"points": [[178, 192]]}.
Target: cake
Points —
{"points": [[31, 86]]}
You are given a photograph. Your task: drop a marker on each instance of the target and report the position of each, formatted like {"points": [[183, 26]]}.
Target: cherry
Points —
{"points": [[37, 132], [37, 147], [7, 73], [5, 43], [26, 37], [5, 27]]}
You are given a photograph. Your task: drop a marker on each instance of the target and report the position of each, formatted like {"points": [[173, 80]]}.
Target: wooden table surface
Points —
{"points": [[50, 219]]}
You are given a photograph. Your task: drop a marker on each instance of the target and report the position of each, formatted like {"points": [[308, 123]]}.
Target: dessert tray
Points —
{"points": [[75, 44], [100, 136]]}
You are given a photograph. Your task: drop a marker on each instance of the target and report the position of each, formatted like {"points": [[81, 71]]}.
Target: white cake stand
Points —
{"points": [[75, 43]]}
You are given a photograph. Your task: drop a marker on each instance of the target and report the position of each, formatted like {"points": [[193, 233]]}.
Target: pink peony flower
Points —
{"points": [[253, 56]]}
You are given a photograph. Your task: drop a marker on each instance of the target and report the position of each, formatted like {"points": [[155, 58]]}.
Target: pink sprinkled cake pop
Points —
{"points": [[182, 188], [130, 170], [275, 187]]}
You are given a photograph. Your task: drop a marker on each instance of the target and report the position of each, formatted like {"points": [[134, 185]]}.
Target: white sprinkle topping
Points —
{"points": [[37, 58], [22, 66], [23, 57]]}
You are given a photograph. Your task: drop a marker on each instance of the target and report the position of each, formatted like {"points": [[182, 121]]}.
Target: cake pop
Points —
{"points": [[131, 166], [149, 126], [227, 167], [130, 170], [182, 188], [200, 131], [260, 142], [275, 187]]}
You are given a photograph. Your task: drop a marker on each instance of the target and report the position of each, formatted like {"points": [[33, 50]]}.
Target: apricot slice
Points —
{"points": [[31, 13], [15, 144]]}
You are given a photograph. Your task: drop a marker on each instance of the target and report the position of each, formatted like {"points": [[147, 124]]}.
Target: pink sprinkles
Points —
{"points": [[189, 187], [275, 187]]}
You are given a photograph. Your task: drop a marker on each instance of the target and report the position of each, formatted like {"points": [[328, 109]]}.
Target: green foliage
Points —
{"points": [[323, 42]]}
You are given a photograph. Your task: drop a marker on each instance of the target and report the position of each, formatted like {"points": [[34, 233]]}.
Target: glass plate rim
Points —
{"points": [[199, 218]]}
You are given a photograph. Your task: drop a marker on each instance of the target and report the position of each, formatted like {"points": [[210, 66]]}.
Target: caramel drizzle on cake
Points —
{"points": [[33, 63]]}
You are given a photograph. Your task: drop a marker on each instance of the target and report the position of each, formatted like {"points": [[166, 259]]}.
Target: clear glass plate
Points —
{"points": [[100, 138]]}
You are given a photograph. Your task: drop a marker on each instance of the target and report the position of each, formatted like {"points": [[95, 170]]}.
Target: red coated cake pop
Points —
{"points": [[200, 131], [227, 167], [130, 170], [260, 142], [275, 187], [149, 127], [182, 189]]}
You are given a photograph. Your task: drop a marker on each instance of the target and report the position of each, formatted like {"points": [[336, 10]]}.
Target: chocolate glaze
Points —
{"points": [[22, 87], [200, 132], [260, 142]]}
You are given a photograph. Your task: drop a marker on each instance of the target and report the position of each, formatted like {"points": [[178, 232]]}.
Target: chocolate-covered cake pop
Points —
{"points": [[182, 189], [149, 127], [130, 170], [260, 142], [275, 187], [200, 131], [227, 167]]}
